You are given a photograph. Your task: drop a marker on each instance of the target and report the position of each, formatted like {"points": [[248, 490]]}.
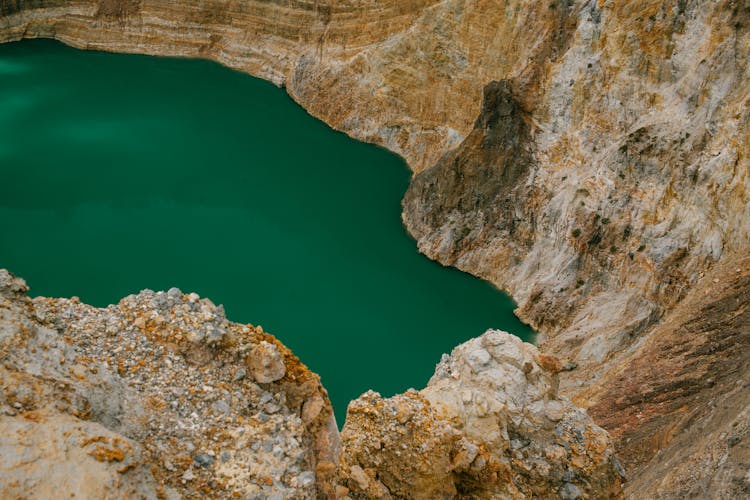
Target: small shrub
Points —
{"points": [[576, 233], [595, 239]]}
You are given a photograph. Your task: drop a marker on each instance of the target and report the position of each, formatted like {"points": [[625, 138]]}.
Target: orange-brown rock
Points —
{"points": [[678, 406]]}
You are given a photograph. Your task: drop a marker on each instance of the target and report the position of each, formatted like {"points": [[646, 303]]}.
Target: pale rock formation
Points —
{"points": [[489, 424], [599, 191], [45, 454], [151, 397]]}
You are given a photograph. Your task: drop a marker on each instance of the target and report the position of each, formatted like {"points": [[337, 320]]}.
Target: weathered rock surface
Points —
{"points": [[598, 192], [151, 397], [490, 424], [605, 177], [160, 396], [678, 405], [46, 454]]}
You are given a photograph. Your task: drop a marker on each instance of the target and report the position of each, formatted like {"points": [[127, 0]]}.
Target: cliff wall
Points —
{"points": [[604, 177], [627, 181]]}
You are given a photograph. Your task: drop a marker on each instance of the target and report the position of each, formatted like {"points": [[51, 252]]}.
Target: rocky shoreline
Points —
{"points": [[602, 180], [160, 396]]}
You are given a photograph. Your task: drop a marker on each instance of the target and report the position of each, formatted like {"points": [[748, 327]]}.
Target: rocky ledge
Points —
{"points": [[160, 396]]}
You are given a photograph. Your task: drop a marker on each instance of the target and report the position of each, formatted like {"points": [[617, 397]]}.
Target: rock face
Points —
{"points": [[678, 406], [490, 424], [599, 191], [151, 397], [619, 176]]}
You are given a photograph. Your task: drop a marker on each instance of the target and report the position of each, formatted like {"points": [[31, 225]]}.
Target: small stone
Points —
{"points": [[478, 359], [265, 363], [554, 411], [174, 293], [555, 453], [570, 491], [193, 298], [140, 322], [188, 475], [271, 408], [312, 408], [160, 300], [214, 335], [203, 459], [239, 375], [359, 477], [466, 454], [306, 479], [341, 491], [221, 407]]}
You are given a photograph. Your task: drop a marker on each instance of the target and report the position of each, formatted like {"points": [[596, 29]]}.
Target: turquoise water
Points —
{"points": [[123, 172]]}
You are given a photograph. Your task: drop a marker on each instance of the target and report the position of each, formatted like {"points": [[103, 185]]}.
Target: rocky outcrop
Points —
{"points": [[157, 396], [160, 396], [490, 424]]}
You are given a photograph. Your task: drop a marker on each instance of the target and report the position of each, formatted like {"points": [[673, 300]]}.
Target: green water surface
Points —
{"points": [[123, 172]]}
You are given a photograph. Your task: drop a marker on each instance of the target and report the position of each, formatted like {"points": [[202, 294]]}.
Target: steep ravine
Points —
{"points": [[605, 178]]}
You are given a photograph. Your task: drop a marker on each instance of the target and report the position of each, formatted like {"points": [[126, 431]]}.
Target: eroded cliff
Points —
{"points": [[599, 203], [606, 175]]}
